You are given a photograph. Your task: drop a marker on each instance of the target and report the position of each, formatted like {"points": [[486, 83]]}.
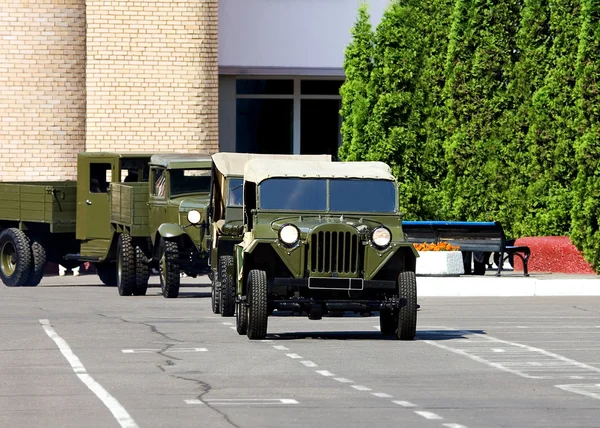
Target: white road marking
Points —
{"points": [[281, 348], [404, 403], [428, 415], [194, 401], [227, 323], [233, 328], [381, 395], [522, 326], [498, 350], [589, 390], [453, 426], [294, 356], [325, 373], [168, 351], [246, 401], [121, 415], [343, 380], [360, 387], [266, 340], [308, 363]]}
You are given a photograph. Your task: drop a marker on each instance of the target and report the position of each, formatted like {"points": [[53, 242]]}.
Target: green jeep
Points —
{"points": [[178, 217], [323, 238], [226, 221]]}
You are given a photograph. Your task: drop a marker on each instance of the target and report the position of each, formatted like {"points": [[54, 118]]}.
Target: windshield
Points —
{"points": [[346, 195], [185, 181], [235, 192]]}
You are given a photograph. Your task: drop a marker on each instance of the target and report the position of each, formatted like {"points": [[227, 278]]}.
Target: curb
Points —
{"points": [[505, 287]]}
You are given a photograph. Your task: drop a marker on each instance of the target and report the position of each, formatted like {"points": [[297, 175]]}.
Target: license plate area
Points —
{"points": [[336, 283]]}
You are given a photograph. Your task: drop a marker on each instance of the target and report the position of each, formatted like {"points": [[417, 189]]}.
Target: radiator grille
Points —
{"points": [[334, 252]]}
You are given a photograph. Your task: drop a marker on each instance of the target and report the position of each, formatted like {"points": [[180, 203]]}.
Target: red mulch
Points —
{"points": [[553, 254]]}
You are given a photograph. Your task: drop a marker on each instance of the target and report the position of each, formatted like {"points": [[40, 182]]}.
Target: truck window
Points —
{"points": [[185, 181], [160, 182], [235, 192], [100, 177]]}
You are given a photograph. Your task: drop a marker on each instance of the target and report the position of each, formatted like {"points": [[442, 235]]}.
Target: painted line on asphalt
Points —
{"points": [[326, 373], [381, 394], [343, 380], [361, 388], [589, 390], [294, 356], [266, 340], [227, 323], [308, 363], [453, 426], [241, 401], [168, 351], [404, 403], [498, 350], [121, 415], [428, 415], [281, 348]]}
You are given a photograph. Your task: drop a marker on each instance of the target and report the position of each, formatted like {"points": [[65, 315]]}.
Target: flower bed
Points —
{"points": [[439, 259]]}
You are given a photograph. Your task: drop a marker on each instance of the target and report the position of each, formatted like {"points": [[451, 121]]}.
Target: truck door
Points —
{"points": [[93, 210], [158, 198]]}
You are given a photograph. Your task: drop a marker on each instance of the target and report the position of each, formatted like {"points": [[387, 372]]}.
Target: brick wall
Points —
{"points": [[152, 75], [42, 87]]}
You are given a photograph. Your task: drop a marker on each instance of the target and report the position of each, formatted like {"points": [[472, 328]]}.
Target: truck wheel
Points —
{"points": [[387, 322], [107, 272], [38, 264], [227, 287], [142, 272], [258, 307], [407, 314], [15, 257], [241, 318], [169, 271], [125, 265], [215, 295]]}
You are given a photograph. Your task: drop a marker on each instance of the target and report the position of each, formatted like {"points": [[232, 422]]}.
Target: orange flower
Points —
{"points": [[440, 246]]}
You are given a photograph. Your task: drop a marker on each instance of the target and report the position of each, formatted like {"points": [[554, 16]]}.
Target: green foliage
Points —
{"points": [[481, 56], [358, 64], [585, 229], [552, 128]]}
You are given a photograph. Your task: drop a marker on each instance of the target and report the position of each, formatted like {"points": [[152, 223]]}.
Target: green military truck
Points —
{"points": [[226, 225], [66, 222], [323, 237], [162, 223]]}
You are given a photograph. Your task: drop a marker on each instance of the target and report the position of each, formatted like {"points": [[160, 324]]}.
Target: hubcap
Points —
{"points": [[8, 258]]}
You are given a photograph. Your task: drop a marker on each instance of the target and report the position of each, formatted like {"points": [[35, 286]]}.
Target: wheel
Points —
{"points": [[107, 272], [38, 264], [407, 314], [257, 304], [215, 295], [169, 271], [142, 272], [241, 318], [15, 257], [227, 287], [387, 322], [125, 265]]}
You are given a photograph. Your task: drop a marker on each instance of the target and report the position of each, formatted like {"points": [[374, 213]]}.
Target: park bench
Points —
{"points": [[471, 237]]}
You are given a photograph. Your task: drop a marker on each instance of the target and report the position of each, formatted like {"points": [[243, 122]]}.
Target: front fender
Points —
{"points": [[170, 230]]}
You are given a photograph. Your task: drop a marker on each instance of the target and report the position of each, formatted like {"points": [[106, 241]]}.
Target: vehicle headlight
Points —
{"points": [[194, 216], [289, 234], [381, 237]]}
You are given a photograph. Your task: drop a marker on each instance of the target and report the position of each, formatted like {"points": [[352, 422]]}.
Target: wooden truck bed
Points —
{"points": [[129, 207], [52, 203]]}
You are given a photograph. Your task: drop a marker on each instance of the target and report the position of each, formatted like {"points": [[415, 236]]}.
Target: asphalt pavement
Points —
{"points": [[75, 354]]}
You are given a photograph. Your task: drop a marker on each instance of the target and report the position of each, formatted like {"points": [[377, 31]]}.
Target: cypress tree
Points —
{"points": [[552, 129], [585, 229], [480, 59], [357, 67]]}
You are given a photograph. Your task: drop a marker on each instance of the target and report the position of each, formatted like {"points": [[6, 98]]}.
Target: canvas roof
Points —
{"points": [[258, 170], [233, 163], [181, 160]]}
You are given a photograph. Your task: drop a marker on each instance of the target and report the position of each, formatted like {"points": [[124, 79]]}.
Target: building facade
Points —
{"points": [[158, 75]]}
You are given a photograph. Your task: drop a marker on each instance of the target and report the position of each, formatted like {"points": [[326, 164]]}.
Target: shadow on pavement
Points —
{"points": [[436, 335]]}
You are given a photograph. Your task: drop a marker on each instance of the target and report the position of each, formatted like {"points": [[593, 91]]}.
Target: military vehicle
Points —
{"points": [[65, 222], [322, 237], [226, 221]]}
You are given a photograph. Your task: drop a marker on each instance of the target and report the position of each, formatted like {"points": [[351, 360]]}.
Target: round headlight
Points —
{"points": [[381, 237], [289, 234], [194, 217]]}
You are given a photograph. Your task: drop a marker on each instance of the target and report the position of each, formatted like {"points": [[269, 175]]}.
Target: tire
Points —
{"points": [[169, 271], [15, 257], [407, 314], [241, 318], [257, 305], [38, 264], [125, 265], [142, 272], [227, 287], [107, 272], [387, 322], [215, 295]]}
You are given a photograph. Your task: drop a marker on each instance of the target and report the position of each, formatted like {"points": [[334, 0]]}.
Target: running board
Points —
{"points": [[81, 258]]}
